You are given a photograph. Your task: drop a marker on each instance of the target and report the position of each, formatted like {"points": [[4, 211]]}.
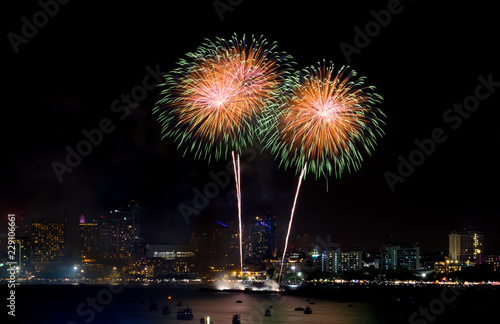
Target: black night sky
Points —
{"points": [[429, 57]]}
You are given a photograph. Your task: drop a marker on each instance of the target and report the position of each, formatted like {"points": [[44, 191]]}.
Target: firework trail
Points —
{"points": [[290, 223], [213, 100], [321, 124], [237, 173]]}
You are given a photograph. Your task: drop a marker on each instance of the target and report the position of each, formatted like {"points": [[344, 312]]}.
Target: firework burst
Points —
{"points": [[321, 124], [212, 101], [324, 121]]}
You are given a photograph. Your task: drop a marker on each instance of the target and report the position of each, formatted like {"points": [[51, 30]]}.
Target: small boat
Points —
{"points": [[308, 310], [185, 314], [239, 302], [312, 303], [236, 319], [351, 305], [267, 313], [166, 310], [300, 309]]}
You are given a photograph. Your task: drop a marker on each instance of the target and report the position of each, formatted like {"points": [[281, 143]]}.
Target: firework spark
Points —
{"points": [[324, 121]]}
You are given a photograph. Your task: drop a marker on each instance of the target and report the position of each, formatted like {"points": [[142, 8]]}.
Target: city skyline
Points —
{"points": [[112, 247], [430, 174], [261, 236], [109, 216]]}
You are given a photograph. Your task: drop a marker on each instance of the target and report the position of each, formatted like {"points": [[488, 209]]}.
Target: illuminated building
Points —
{"points": [[125, 241], [466, 246], [123, 231], [128, 215], [47, 243], [89, 240], [336, 261], [220, 246], [264, 237], [109, 240], [492, 260], [140, 249], [166, 260], [23, 251], [400, 256], [446, 267]]}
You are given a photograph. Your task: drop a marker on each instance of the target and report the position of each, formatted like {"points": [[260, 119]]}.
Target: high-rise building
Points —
{"points": [[264, 237], [129, 215], [47, 243], [89, 240], [126, 241], [233, 243], [107, 239], [22, 225], [466, 246], [23, 252], [336, 261], [393, 257]]}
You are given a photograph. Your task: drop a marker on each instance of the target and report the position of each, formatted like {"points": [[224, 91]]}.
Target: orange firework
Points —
{"points": [[325, 120], [321, 124], [213, 100]]}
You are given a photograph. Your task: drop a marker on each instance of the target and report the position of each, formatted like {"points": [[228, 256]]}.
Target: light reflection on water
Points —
{"points": [[63, 305], [221, 306]]}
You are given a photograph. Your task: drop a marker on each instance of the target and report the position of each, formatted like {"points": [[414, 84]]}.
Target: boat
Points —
{"points": [[267, 313], [179, 304], [312, 303], [166, 310], [239, 301], [300, 309], [236, 319], [308, 310], [351, 305], [185, 314]]}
